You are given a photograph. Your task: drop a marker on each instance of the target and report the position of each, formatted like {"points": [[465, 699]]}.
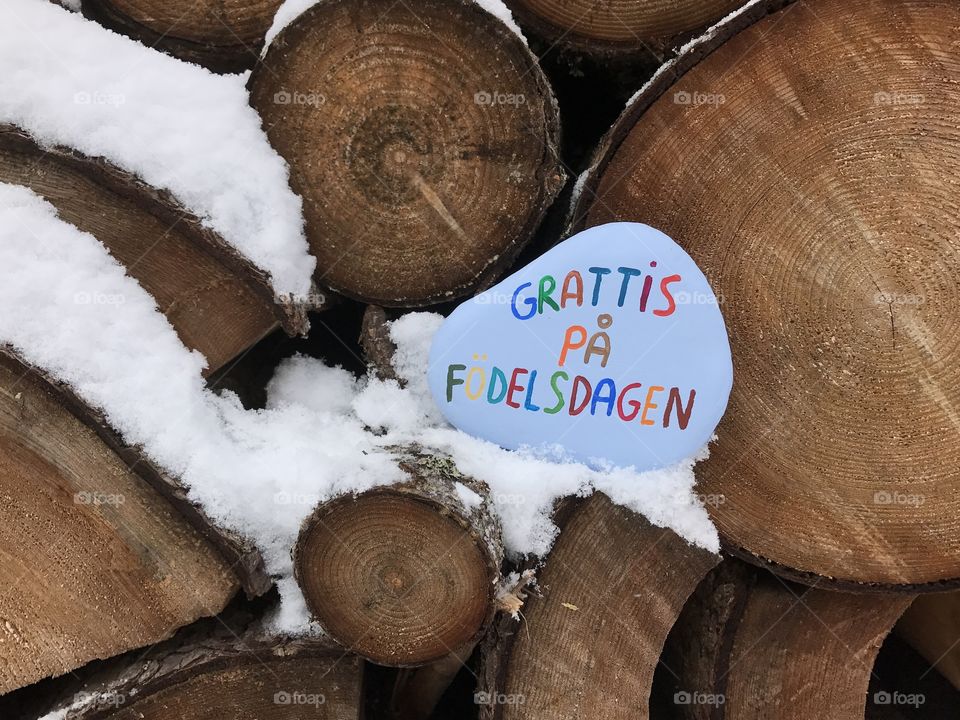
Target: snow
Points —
{"points": [[709, 34], [322, 433], [290, 10], [68, 81], [499, 10]]}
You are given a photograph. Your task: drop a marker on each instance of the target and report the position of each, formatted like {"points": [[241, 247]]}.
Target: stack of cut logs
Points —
{"points": [[806, 154]]}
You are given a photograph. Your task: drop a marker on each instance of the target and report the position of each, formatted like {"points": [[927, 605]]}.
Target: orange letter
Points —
{"points": [[568, 342], [647, 405], [672, 305]]}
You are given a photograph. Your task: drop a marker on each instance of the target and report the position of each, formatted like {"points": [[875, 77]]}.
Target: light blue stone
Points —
{"points": [[687, 350]]}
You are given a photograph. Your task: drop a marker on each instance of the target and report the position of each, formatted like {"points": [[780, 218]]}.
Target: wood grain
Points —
{"points": [[95, 560], [423, 142], [612, 587], [216, 300], [802, 164]]}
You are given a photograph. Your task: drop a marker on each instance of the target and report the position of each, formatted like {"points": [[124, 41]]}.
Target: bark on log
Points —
{"points": [[406, 574], [794, 159], [612, 587], [696, 655], [224, 36], [213, 672], [931, 626], [423, 144], [618, 28], [102, 553], [767, 648], [378, 348], [217, 301]]}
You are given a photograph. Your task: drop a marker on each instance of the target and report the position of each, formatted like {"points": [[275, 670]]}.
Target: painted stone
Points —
{"points": [[610, 349]]}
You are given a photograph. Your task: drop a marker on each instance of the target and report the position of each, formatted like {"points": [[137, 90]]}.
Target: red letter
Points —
{"points": [[515, 387], [579, 381], [634, 405], [683, 416], [666, 293]]}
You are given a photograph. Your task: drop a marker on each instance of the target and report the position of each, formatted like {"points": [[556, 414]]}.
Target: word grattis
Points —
{"points": [[631, 402], [572, 291]]}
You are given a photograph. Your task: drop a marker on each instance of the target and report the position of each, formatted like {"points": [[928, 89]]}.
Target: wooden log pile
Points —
{"points": [[805, 153]]}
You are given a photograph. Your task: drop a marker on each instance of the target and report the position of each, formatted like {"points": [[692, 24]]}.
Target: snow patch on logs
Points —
{"points": [[290, 10], [669, 67], [72, 311], [179, 127]]}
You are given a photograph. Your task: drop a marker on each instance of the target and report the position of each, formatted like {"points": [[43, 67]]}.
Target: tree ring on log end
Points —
{"points": [[618, 27], [423, 144], [394, 577], [809, 185]]}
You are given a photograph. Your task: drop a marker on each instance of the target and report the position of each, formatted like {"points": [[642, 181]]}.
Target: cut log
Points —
{"points": [[932, 627], [423, 144], [696, 655], [612, 587], [800, 161], [217, 301], [617, 28], [213, 672], [794, 657], [750, 645], [406, 574], [102, 553], [224, 36]]}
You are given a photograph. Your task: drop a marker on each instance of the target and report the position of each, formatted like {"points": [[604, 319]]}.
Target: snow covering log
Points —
{"points": [[617, 27], [101, 552], [611, 589], [836, 256], [223, 36], [931, 625], [751, 645], [405, 574], [213, 671], [218, 302], [424, 144]]}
